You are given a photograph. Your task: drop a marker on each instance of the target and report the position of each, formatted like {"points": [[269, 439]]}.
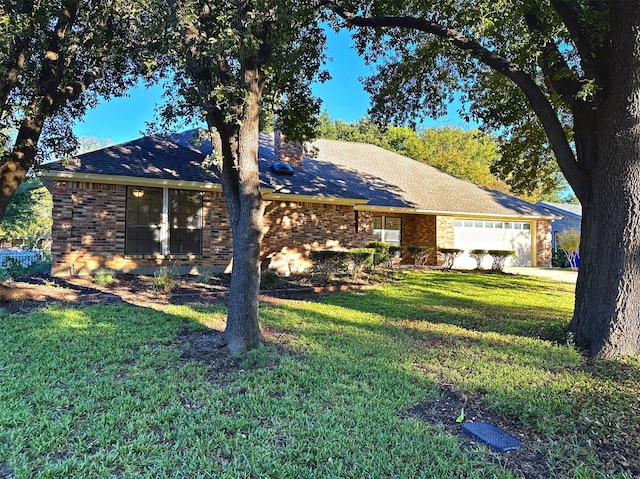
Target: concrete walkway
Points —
{"points": [[549, 273]]}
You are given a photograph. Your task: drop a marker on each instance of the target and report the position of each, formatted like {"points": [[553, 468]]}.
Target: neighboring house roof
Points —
{"points": [[357, 173], [565, 209]]}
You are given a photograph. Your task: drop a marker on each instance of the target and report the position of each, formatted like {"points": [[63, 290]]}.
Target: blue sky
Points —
{"points": [[123, 119]]}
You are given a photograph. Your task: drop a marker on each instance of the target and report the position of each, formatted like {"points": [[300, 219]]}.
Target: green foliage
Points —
{"points": [[420, 254], [91, 56], [360, 259], [449, 256], [382, 254], [269, 279], [13, 268], [326, 263], [478, 255], [165, 279], [28, 218], [499, 258], [103, 277]]}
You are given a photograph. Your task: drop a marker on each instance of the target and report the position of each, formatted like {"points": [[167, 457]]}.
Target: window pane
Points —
{"points": [[468, 224], [478, 224], [498, 224], [488, 224], [508, 226], [143, 219], [185, 222], [457, 223], [526, 226], [392, 223]]}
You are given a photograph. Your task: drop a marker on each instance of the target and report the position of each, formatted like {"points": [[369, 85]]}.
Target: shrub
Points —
{"points": [[381, 255], [499, 258], [558, 258], [420, 254], [360, 259], [14, 268], [478, 255], [165, 279], [449, 256], [103, 277], [326, 263], [269, 279]]}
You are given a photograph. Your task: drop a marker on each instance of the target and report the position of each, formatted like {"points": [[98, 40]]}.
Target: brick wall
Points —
{"points": [[89, 232], [543, 243], [293, 229]]}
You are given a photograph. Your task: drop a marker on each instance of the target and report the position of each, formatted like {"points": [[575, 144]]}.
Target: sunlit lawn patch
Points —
{"points": [[109, 391]]}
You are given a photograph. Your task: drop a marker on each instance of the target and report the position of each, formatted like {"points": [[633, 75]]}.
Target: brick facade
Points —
{"points": [[543, 243], [90, 232]]}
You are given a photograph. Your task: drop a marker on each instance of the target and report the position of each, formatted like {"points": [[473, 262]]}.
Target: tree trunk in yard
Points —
{"points": [[607, 310], [21, 159], [241, 186]]}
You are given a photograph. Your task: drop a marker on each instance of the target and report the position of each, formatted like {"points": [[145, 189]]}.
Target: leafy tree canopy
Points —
{"points": [[28, 218]]}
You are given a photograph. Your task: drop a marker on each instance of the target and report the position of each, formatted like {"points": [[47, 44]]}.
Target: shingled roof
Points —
{"points": [[340, 171]]}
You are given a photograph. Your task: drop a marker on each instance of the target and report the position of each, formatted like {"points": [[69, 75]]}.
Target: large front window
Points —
{"points": [[163, 221], [387, 229]]}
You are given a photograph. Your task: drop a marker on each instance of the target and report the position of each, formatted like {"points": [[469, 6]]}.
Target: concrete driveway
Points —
{"points": [[549, 273]]}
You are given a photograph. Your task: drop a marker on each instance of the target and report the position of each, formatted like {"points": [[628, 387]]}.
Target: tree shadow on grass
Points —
{"points": [[471, 301]]}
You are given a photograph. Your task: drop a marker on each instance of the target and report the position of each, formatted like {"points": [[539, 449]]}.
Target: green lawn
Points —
{"points": [[111, 391]]}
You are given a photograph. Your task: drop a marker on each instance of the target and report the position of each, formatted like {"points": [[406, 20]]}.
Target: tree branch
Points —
{"points": [[536, 97], [554, 66], [568, 13]]}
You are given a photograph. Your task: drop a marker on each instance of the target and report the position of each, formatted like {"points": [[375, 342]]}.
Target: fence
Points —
{"points": [[25, 258]]}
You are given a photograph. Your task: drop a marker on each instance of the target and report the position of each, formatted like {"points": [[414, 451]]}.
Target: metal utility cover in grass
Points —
{"points": [[495, 438]]}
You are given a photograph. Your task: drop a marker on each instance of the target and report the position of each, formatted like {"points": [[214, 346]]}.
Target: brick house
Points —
{"points": [[150, 202]]}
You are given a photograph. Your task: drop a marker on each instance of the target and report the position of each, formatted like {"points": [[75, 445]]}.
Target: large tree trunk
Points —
{"points": [[241, 186], [14, 169], [607, 312]]}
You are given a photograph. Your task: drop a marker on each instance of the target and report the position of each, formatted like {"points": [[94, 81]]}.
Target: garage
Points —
{"points": [[469, 234]]}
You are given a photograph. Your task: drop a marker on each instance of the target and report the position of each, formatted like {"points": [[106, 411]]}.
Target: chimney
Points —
{"points": [[289, 152]]}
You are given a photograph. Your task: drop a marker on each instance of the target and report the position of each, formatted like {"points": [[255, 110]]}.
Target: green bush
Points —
{"points": [[499, 258], [478, 255], [360, 259], [420, 254], [269, 279], [449, 256], [13, 268], [165, 279], [558, 258], [382, 254], [103, 277], [326, 263]]}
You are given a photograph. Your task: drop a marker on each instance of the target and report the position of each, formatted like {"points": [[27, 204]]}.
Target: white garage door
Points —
{"points": [[479, 234]]}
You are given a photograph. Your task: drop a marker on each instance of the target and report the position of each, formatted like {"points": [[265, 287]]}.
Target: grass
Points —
{"points": [[110, 391]]}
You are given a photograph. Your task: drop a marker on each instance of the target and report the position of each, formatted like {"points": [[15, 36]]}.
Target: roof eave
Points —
{"points": [[465, 214]]}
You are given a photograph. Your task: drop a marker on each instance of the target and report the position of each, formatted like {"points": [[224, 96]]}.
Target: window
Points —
{"points": [[185, 222], [163, 221], [387, 229], [144, 221]]}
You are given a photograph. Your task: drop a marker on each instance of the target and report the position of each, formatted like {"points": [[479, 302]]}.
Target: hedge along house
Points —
{"points": [[152, 202]]}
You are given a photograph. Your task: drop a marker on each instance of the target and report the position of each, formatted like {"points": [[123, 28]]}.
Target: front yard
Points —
{"points": [[361, 384]]}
